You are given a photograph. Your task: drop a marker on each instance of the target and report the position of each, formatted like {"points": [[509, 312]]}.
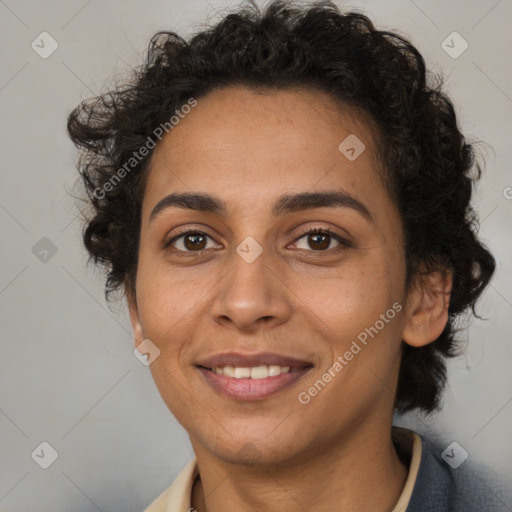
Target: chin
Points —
{"points": [[255, 448]]}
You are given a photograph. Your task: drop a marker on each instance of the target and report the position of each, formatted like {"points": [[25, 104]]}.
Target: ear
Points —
{"points": [[138, 331], [427, 308]]}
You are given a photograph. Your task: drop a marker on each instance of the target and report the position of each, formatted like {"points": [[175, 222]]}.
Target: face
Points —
{"points": [[248, 287]]}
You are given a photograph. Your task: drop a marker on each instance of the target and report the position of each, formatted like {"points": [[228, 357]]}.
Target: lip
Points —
{"points": [[245, 360], [252, 389]]}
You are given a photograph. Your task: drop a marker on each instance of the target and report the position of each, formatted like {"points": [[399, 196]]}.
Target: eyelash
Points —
{"points": [[344, 244]]}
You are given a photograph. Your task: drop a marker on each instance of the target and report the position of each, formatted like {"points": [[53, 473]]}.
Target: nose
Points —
{"points": [[251, 294]]}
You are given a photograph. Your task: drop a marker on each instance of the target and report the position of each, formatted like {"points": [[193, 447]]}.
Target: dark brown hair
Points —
{"points": [[430, 168]]}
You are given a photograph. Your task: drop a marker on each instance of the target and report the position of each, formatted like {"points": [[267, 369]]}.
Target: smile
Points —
{"points": [[256, 372], [245, 377]]}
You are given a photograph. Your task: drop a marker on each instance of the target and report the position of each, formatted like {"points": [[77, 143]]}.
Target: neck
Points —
{"points": [[362, 473]]}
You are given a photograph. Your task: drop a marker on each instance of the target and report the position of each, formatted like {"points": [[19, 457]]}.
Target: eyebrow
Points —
{"points": [[287, 203]]}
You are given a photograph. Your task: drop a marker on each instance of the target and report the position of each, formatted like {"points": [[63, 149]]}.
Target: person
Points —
{"points": [[284, 199]]}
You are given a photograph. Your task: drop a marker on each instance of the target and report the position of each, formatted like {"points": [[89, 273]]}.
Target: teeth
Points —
{"points": [[259, 372], [242, 373], [255, 372], [275, 370], [229, 371]]}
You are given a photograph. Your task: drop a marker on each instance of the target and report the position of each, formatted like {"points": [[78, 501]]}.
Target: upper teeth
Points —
{"points": [[255, 372]]}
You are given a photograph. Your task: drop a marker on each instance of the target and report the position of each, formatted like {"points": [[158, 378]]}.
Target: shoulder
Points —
{"points": [[177, 495], [454, 484]]}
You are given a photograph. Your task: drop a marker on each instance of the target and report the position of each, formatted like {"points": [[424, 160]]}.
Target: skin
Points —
{"points": [[248, 148]]}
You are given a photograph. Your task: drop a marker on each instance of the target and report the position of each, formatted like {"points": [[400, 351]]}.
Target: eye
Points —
{"points": [[319, 239], [190, 241]]}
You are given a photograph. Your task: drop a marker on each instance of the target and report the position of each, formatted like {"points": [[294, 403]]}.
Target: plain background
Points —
{"points": [[68, 374]]}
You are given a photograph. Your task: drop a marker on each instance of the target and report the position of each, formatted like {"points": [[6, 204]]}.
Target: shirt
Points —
{"points": [[439, 480], [177, 497]]}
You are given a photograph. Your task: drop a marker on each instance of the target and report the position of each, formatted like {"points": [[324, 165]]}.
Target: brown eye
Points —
{"points": [[319, 240], [194, 241], [189, 241]]}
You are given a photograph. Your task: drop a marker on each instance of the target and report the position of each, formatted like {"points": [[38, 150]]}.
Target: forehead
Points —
{"points": [[242, 143]]}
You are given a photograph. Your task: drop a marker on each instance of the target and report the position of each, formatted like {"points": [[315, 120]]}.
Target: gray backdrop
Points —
{"points": [[68, 374]]}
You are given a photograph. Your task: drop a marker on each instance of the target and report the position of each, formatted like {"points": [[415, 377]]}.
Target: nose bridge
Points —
{"points": [[250, 290]]}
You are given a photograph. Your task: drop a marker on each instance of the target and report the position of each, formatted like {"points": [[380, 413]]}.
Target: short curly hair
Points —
{"points": [[429, 168]]}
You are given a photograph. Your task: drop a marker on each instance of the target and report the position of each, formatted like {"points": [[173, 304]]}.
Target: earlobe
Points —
{"points": [[138, 333], [427, 308]]}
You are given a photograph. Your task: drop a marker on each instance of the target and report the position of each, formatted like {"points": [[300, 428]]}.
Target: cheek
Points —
{"points": [[358, 313], [170, 294], [185, 406], [354, 295]]}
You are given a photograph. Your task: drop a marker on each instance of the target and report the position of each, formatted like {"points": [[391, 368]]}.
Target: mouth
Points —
{"points": [[252, 377]]}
